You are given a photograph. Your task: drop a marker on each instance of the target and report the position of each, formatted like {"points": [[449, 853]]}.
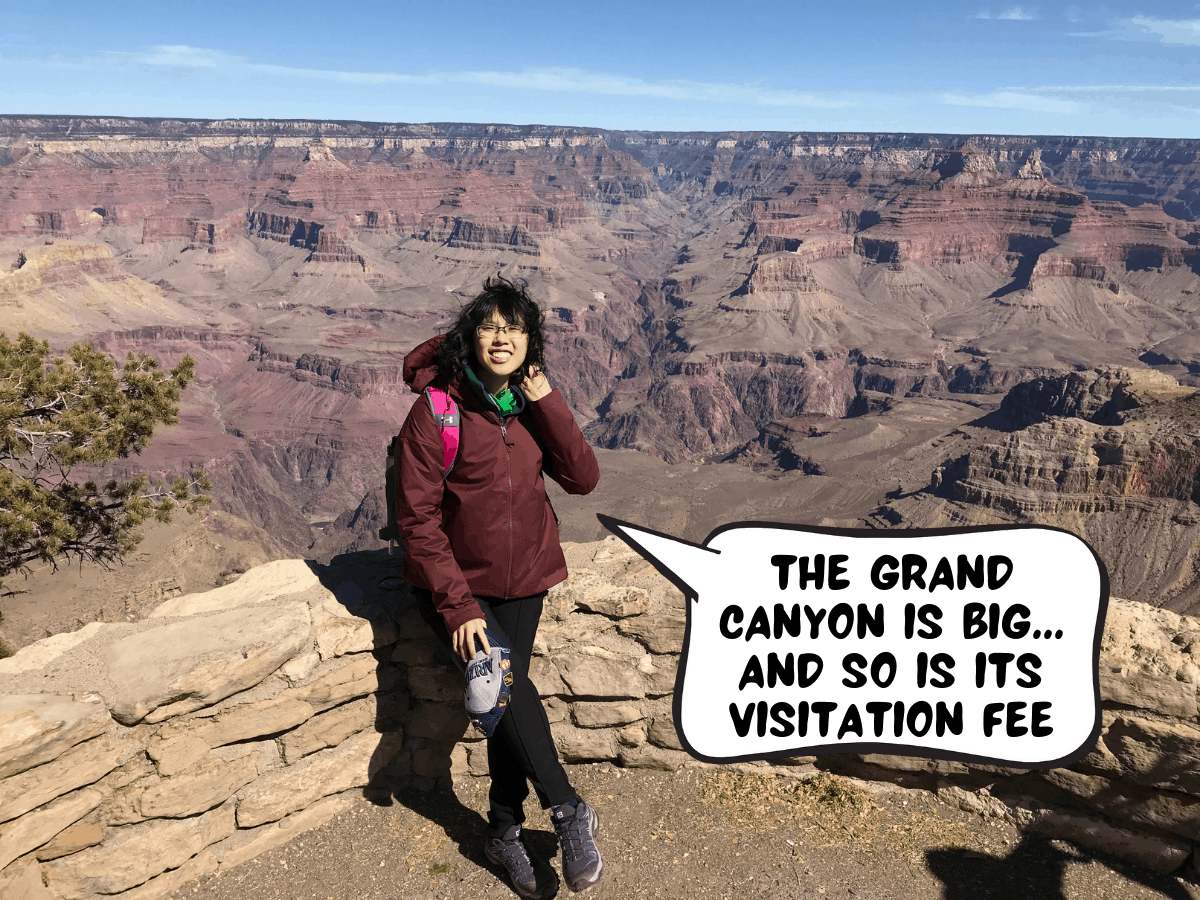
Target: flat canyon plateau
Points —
{"points": [[857, 330]]}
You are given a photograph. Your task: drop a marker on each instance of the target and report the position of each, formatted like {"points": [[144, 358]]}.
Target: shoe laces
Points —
{"points": [[515, 857], [575, 834]]}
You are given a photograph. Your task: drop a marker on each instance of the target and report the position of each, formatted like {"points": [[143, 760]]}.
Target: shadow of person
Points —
{"points": [[1036, 868], [366, 585], [398, 669], [462, 825], [466, 828], [419, 713]]}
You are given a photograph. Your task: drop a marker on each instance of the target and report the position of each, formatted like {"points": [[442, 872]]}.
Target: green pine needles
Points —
{"points": [[80, 410]]}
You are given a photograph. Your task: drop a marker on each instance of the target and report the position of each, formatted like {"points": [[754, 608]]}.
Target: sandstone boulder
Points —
{"points": [[659, 673], [582, 745], [438, 721], [207, 784], [605, 715], [1156, 754], [29, 832], [23, 881], [632, 735], [474, 761], [662, 733], [83, 764], [330, 729], [914, 764], [298, 668], [557, 709], [1170, 811], [84, 833], [415, 653], [593, 676], [359, 675], [343, 626], [167, 885], [177, 752], [659, 634], [278, 793], [178, 746], [41, 654], [648, 757], [35, 728], [245, 844], [614, 601], [1157, 852], [259, 585], [1140, 663], [136, 853], [253, 720], [184, 666], [439, 683]]}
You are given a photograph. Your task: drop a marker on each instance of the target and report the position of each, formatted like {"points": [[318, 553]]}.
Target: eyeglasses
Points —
{"points": [[488, 330]]}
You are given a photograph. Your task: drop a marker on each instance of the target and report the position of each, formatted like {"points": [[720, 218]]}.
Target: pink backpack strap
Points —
{"points": [[445, 413]]}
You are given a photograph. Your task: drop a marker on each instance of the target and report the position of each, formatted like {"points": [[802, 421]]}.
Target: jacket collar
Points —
{"points": [[473, 391]]}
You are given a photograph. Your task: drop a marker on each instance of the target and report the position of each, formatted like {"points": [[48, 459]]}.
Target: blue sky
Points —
{"points": [[957, 67]]}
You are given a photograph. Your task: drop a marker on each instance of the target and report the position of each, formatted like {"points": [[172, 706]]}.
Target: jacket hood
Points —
{"points": [[420, 365]]}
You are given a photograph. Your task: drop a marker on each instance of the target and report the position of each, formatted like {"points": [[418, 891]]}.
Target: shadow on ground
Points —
{"points": [[1035, 868]]}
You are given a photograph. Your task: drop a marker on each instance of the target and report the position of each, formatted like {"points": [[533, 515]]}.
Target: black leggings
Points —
{"points": [[521, 751]]}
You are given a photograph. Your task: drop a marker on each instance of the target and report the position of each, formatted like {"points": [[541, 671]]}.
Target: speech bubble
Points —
{"points": [[975, 644]]}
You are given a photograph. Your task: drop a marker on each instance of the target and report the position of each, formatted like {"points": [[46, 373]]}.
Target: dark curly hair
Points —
{"points": [[515, 307]]}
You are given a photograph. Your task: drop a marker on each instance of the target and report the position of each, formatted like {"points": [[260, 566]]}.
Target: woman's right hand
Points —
{"points": [[463, 639], [535, 386]]}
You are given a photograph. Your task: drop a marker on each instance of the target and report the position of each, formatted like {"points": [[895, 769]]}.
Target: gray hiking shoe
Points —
{"points": [[577, 827], [531, 878]]}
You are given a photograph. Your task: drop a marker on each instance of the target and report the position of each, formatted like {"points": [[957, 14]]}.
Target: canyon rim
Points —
{"points": [[853, 330], [796, 327]]}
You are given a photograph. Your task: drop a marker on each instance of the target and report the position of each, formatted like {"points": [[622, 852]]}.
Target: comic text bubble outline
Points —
{"points": [[1069, 569]]}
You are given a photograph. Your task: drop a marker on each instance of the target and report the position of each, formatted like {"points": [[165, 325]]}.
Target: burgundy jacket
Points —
{"points": [[488, 529]]}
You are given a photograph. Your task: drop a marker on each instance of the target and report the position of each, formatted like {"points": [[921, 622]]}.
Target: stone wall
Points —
{"points": [[135, 757]]}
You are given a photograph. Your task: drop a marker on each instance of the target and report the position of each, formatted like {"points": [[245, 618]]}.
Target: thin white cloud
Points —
{"points": [[1013, 14], [548, 79], [191, 57], [1172, 31], [1145, 28], [1010, 99], [1118, 88], [557, 94]]}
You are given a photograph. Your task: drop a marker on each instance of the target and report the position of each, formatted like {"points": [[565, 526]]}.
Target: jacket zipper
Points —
{"points": [[508, 475]]}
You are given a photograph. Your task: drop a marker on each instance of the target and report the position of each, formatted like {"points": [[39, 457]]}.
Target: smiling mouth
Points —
{"points": [[499, 355]]}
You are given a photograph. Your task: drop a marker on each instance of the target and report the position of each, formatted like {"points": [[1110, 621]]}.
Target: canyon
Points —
{"points": [[811, 328]]}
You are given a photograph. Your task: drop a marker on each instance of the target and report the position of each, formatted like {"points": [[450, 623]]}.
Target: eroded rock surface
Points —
{"points": [[97, 807], [1112, 455], [187, 665]]}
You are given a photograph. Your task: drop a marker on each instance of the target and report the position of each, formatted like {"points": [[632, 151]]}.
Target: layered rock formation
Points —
{"points": [[703, 291], [133, 761], [1112, 455]]}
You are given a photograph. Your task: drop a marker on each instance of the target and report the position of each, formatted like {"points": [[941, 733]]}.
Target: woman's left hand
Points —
{"points": [[535, 386]]}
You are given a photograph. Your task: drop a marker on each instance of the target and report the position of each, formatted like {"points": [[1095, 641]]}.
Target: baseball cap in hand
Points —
{"points": [[489, 685]]}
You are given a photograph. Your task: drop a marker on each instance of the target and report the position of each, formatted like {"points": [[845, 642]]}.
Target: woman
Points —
{"points": [[482, 547]]}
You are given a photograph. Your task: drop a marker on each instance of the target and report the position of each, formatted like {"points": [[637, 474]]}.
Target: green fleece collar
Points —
{"points": [[508, 402]]}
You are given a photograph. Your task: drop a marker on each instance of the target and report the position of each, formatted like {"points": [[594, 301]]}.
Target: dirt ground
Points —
{"points": [[715, 834]]}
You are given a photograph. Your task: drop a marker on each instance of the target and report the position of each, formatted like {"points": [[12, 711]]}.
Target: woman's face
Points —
{"points": [[500, 353]]}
